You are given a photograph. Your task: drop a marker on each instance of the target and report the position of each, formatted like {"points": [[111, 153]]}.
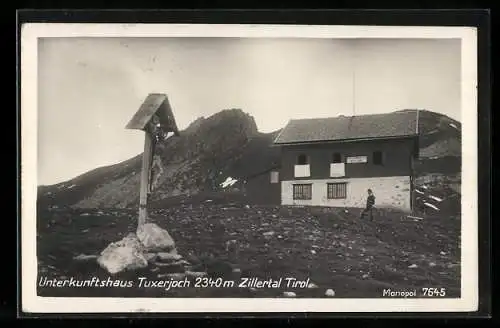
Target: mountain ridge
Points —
{"points": [[226, 144]]}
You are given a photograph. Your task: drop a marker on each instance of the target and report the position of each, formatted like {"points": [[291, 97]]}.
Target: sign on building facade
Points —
{"points": [[356, 159]]}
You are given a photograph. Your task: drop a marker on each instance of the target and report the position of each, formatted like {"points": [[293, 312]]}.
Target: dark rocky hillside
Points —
{"points": [[239, 231], [440, 144], [356, 258], [227, 144]]}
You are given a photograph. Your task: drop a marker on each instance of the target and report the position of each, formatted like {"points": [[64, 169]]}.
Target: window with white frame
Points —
{"points": [[337, 190], [302, 191]]}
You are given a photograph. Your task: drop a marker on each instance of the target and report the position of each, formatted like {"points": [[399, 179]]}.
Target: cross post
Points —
{"points": [[156, 119]]}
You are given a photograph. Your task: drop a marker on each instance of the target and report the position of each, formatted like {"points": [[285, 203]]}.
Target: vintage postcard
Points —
{"points": [[260, 168]]}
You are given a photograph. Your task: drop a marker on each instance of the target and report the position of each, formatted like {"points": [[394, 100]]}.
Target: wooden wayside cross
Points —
{"points": [[156, 119]]}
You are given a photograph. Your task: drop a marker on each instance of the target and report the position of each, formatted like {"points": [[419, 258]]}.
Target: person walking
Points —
{"points": [[370, 202]]}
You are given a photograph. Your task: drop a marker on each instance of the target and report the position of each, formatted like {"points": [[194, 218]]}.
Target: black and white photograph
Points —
{"points": [[203, 168]]}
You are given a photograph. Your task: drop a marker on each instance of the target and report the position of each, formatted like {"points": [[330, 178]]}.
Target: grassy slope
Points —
{"points": [[330, 246]]}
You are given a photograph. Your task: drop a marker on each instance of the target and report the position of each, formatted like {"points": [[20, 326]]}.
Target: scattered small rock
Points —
{"points": [[268, 234], [173, 276], [230, 243], [164, 256], [329, 293], [432, 264], [189, 268], [413, 266], [365, 276], [150, 257], [442, 253], [247, 206], [194, 274], [83, 257], [313, 251], [170, 264], [289, 294]]}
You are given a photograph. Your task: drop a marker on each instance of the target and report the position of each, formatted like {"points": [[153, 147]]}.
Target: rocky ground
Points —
{"points": [[331, 247]]}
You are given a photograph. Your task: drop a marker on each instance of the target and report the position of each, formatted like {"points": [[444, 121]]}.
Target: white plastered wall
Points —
{"points": [[393, 192]]}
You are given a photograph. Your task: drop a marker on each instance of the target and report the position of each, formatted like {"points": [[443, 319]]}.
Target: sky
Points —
{"points": [[89, 88]]}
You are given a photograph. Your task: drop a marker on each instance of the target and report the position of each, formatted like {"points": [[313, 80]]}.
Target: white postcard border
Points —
{"points": [[31, 303]]}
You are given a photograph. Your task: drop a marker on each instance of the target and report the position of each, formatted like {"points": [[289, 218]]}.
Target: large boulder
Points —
{"points": [[123, 255], [153, 238]]}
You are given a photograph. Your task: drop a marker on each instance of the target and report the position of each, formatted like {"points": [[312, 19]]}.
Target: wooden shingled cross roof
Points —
{"points": [[154, 104]]}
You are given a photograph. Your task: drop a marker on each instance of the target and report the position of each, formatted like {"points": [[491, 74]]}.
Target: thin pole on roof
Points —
{"points": [[416, 126], [354, 82]]}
